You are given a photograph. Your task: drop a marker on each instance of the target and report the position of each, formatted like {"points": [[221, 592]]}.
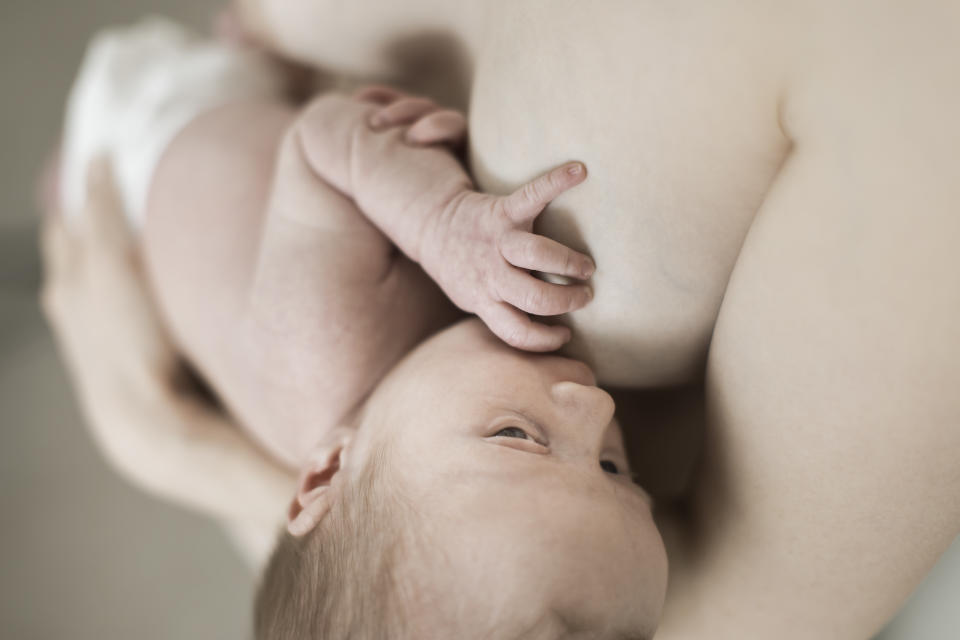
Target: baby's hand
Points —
{"points": [[429, 124], [481, 249]]}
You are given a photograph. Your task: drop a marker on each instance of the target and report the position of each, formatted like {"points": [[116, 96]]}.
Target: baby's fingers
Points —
{"points": [[441, 127], [378, 94], [526, 203], [403, 111], [530, 251], [519, 331], [542, 298]]}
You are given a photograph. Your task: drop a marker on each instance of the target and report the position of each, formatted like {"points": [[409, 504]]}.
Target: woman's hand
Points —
{"points": [[95, 299]]}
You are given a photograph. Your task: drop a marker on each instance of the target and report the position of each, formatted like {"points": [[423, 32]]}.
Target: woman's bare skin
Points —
{"points": [[772, 205]]}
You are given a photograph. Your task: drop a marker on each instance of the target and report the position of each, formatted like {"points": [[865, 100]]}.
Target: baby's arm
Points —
{"points": [[331, 305], [477, 247]]}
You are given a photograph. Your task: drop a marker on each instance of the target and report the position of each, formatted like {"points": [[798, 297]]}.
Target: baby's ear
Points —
{"points": [[315, 490]]}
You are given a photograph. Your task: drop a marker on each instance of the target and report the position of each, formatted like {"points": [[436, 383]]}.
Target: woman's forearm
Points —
{"points": [[124, 369], [183, 451]]}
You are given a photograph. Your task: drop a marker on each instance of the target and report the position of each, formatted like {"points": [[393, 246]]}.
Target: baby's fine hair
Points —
{"points": [[338, 581]]}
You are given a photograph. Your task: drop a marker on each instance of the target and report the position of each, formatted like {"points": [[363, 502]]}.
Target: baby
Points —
{"points": [[450, 485]]}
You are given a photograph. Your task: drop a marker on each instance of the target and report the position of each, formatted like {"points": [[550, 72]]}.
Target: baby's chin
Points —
{"points": [[457, 613]]}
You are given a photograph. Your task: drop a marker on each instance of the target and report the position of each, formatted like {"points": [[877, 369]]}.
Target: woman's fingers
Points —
{"points": [[519, 331], [403, 111], [441, 127], [526, 203], [102, 222], [59, 253], [541, 298], [531, 251], [47, 188]]}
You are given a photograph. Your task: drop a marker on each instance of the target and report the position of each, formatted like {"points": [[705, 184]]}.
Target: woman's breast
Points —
{"points": [[675, 115]]}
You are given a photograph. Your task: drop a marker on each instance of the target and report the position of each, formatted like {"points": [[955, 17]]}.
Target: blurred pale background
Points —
{"points": [[83, 555]]}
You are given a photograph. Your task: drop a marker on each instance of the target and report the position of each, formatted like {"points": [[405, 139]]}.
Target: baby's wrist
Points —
{"points": [[435, 226]]}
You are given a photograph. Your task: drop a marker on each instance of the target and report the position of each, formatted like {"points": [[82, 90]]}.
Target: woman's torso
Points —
{"points": [[674, 109]]}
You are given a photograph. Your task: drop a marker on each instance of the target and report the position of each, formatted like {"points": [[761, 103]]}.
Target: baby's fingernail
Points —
{"points": [[575, 169], [589, 293], [589, 268]]}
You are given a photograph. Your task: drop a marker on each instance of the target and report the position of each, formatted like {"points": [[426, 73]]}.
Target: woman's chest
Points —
{"points": [[676, 120]]}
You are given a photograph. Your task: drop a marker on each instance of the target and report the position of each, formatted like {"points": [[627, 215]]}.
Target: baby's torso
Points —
{"points": [[675, 113]]}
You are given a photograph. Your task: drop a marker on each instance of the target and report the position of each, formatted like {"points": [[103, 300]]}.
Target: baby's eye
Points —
{"points": [[513, 432], [609, 466], [523, 439]]}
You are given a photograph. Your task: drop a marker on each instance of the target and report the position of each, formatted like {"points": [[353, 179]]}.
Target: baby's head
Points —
{"points": [[479, 497]]}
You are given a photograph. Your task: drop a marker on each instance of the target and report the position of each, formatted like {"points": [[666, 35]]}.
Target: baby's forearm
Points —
{"points": [[399, 188], [479, 248], [330, 306]]}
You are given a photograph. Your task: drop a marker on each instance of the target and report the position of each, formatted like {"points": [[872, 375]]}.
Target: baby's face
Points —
{"points": [[515, 464]]}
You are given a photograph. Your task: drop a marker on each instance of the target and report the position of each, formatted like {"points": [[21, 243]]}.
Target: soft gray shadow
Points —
{"points": [[435, 64]]}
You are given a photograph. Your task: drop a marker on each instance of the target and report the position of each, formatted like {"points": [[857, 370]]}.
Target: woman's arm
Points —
{"points": [[365, 38], [831, 482], [152, 429]]}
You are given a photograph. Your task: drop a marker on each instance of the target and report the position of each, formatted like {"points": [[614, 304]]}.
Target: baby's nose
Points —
{"points": [[591, 407]]}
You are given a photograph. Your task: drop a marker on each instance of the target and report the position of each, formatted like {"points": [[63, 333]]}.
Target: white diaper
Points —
{"points": [[137, 87]]}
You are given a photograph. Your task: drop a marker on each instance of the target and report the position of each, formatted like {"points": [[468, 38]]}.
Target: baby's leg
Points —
{"points": [[138, 86]]}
